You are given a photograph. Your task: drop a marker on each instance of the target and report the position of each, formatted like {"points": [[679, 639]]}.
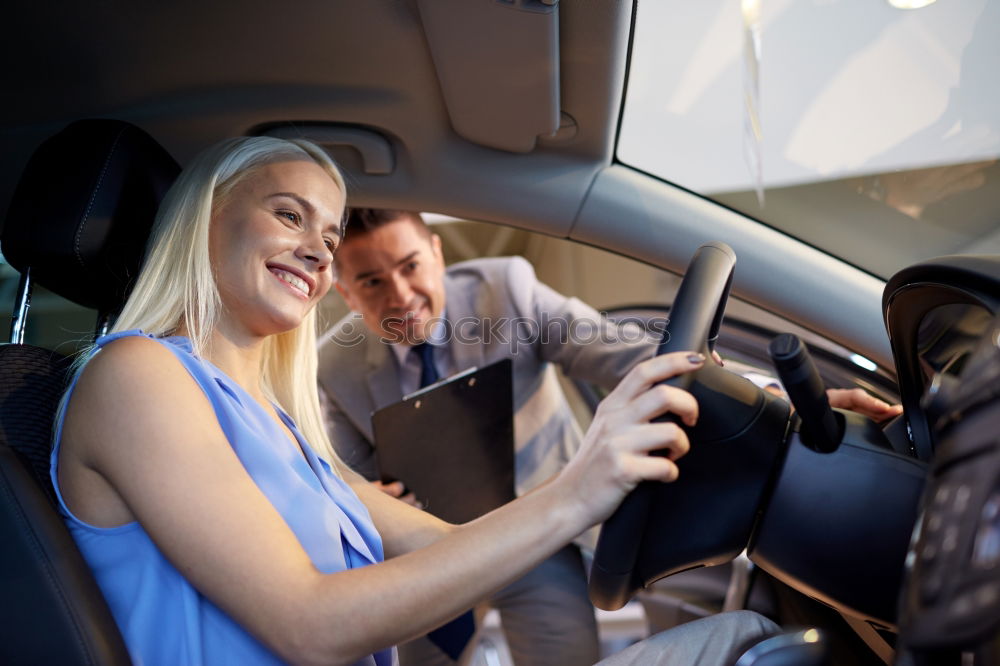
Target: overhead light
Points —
{"points": [[910, 4]]}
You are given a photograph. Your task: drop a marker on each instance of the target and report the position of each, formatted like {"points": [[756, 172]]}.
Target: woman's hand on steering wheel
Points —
{"points": [[616, 453]]}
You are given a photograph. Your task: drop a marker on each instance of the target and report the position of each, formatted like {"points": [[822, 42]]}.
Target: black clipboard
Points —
{"points": [[452, 443]]}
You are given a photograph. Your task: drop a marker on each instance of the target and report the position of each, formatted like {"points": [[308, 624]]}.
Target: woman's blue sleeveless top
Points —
{"points": [[162, 617]]}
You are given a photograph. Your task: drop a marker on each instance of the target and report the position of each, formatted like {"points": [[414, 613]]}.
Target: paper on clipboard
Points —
{"points": [[452, 443]]}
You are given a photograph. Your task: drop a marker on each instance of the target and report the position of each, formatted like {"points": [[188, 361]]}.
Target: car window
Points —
{"points": [[856, 119]]}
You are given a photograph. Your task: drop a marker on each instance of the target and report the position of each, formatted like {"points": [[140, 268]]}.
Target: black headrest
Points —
{"points": [[82, 211]]}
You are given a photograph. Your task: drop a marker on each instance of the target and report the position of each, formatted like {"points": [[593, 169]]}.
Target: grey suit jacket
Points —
{"points": [[495, 308]]}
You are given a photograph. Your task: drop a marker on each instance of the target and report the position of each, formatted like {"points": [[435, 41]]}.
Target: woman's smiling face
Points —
{"points": [[271, 243]]}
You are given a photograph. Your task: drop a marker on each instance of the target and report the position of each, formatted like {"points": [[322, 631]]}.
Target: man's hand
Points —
{"points": [[396, 489], [858, 400]]}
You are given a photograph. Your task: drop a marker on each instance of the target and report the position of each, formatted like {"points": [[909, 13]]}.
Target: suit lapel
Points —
{"points": [[383, 376], [465, 327]]}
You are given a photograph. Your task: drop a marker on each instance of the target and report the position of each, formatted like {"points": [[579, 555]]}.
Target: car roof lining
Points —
{"points": [[364, 64]]}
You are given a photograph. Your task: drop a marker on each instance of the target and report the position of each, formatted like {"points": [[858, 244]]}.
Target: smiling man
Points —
{"points": [[391, 272], [393, 275]]}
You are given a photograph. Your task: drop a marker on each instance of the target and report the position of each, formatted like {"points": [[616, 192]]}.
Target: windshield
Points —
{"points": [[868, 131]]}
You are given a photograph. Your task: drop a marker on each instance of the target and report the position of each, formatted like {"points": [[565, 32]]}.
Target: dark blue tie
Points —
{"points": [[454, 636], [428, 371]]}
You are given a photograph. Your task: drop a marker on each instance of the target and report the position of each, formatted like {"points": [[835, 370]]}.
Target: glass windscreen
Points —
{"points": [[868, 131]]}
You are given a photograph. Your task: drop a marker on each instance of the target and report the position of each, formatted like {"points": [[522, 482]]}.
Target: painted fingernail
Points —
{"points": [[696, 359]]}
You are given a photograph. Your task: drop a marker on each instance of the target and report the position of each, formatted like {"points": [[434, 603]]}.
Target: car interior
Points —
{"points": [[518, 127]]}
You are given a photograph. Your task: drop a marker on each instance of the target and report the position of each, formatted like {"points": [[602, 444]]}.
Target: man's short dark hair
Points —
{"points": [[363, 220]]}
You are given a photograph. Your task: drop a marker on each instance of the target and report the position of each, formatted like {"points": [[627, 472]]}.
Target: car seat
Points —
{"points": [[77, 224]]}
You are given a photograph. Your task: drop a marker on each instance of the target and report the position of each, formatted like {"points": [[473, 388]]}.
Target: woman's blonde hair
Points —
{"points": [[177, 285]]}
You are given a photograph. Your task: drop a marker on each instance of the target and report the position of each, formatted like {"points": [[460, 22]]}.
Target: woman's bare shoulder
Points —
{"points": [[134, 413], [128, 359], [133, 381]]}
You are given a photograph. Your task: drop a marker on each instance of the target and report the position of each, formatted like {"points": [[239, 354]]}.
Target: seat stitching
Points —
{"points": [[93, 197]]}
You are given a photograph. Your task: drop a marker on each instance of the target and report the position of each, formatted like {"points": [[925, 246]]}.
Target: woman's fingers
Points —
{"points": [[665, 437], [667, 440], [618, 451], [662, 399], [633, 461], [652, 371], [655, 468]]}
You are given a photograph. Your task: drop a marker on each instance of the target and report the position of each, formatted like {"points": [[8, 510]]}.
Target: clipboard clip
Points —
{"points": [[447, 380]]}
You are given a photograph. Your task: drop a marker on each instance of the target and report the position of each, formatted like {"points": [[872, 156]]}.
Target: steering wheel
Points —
{"points": [[748, 475], [693, 326]]}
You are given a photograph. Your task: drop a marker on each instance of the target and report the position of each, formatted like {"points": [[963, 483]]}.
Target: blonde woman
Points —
{"points": [[192, 467]]}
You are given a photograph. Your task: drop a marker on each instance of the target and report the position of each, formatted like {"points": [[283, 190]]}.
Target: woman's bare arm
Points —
{"points": [[140, 425], [403, 528]]}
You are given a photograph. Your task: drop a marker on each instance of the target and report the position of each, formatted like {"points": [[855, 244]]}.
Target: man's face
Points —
{"points": [[394, 277]]}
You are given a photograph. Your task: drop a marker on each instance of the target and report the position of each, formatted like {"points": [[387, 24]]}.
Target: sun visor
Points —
{"points": [[498, 65]]}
